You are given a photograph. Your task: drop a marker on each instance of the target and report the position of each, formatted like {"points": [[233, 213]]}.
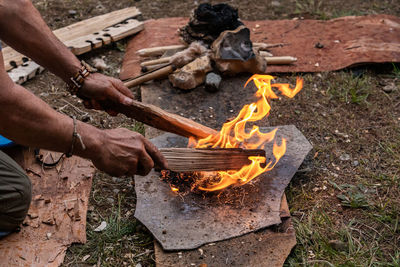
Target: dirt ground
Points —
{"points": [[345, 198]]}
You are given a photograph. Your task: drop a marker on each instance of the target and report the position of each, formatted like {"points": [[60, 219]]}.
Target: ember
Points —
{"points": [[233, 135]]}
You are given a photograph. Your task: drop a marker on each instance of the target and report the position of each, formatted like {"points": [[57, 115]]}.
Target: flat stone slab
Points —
{"points": [[267, 247], [187, 222]]}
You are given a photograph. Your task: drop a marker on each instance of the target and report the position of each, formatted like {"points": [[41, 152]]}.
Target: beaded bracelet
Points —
{"points": [[78, 79]]}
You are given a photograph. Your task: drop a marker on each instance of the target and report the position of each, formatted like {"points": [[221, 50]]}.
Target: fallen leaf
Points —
{"points": [[101, 227]]}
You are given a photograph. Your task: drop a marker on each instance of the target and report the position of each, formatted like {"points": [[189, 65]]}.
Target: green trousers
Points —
{"points": [[15, 193]]}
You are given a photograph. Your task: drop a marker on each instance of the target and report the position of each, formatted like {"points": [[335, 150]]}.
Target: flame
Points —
{"points": [[233, 134]]}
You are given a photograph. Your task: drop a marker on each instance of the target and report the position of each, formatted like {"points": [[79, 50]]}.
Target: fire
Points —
{"points": [[233, 134]]}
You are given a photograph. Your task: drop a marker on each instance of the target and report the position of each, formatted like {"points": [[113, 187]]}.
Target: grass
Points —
{"points": [[350, 88]]}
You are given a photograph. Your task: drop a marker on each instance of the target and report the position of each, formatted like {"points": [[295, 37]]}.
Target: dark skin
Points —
{"points": [[29, 121]]}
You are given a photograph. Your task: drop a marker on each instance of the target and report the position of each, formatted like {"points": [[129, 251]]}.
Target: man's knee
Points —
{"points": [[15, 194]]}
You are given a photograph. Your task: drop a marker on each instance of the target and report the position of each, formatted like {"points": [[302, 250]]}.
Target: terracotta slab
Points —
{"points": [[346, 41], [187, 222], [57, 216], [268, 247]]}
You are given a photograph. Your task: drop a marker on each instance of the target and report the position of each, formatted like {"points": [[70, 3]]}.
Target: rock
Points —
{"points": [[138, 265], [355, 163], [101, 227], [338, 245], [344, 157], [116, 180], [72, 13], [275, 3], [389, 88], [110, 200], [213, 82], [319, 45], [191, 75]]}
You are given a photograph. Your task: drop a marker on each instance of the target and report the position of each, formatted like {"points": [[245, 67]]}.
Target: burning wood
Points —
{"points": [[222, 159], [234, 135]]}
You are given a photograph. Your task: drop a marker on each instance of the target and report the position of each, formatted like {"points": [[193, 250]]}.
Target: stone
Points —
{"points": [[338, 245], [213, 82], [344, 157], [191, 75]]}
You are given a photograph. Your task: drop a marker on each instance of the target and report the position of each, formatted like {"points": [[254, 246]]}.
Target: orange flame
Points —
{"points": [[233, 134]]}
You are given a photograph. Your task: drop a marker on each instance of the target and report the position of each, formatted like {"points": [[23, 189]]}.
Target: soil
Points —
{"points": [[336, 121]]}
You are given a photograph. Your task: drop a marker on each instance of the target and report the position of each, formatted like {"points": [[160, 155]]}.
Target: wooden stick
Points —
{"points": [[155, 61], [157, 74], [280, 60], [154, 67], [163, 120], [159, 50], [265, 54], [264, 46], [191, 159]]}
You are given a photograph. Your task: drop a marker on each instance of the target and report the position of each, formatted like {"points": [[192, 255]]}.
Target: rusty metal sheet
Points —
{"points": [[57, 216], [187, 222], [267, 247], [346, 41]]}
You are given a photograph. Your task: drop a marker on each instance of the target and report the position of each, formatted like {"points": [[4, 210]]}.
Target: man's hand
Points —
{"points": [[123, 152], [98, 89]]}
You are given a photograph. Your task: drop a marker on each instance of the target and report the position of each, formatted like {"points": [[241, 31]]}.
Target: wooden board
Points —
{"points": [[346, 41], [25, 72], [191, 159], [75, 31], [57, 216]]}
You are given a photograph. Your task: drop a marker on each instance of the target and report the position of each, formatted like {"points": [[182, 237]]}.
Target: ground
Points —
{"points": [[345, 198]]}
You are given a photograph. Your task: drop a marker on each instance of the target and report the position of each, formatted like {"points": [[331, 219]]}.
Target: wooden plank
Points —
{"points": [[25, 72], [83, 28], [95, 40], [191, 159]]}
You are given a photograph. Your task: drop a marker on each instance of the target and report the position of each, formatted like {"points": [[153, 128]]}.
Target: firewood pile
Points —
{"points": [[215, 43]]}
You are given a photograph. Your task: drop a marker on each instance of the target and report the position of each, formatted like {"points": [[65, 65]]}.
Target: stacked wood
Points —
{"points": [[220, 159], [76, 31]]}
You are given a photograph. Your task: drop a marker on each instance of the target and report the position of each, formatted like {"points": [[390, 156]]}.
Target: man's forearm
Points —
{"points": [[29, 121], [22, 27]]}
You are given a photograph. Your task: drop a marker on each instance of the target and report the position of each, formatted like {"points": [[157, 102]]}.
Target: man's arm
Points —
{"points": [[22, 27], [29, 121]]}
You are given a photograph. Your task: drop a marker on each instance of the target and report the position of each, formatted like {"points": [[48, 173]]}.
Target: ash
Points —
{"points": [[188, 183]]}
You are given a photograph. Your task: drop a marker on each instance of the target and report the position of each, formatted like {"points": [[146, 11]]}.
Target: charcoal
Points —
{"points": [[208, 21]]}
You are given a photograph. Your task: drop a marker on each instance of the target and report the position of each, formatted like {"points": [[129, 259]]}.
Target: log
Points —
{"points": [[280, 60], [163, 120], [159, 50], [220, 159]]}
